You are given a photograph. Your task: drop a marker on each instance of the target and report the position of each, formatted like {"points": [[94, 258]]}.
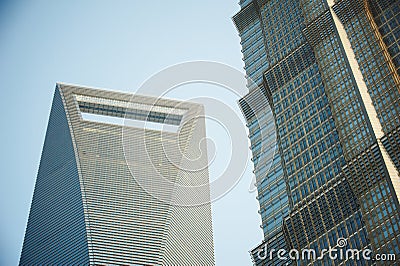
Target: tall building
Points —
{"points": [[101, 196], [329, 72]]}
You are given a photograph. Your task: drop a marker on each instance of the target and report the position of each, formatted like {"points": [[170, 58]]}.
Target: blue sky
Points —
{"points": [[109, 44]]}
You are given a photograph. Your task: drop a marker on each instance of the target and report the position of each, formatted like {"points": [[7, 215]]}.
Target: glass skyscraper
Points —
{"points": [[330, 73], [107, 193]]}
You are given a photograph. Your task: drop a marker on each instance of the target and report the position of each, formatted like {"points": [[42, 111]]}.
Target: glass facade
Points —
{"points": [[89, 207], [331, 80]]}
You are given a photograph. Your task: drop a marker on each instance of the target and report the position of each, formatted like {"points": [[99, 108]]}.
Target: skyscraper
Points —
{"points": [[329, 72], [112, 193]]}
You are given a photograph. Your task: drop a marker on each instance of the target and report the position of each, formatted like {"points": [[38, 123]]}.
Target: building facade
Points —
{"points": [[100, 200], [329, 72]]}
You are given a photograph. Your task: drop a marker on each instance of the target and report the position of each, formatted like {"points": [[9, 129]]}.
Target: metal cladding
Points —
{"points": [[331, 72], [89, 208]]}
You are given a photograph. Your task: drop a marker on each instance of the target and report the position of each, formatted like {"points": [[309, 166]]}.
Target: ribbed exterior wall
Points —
{"points": [[270, 182], [333, 85], [125, 224], [386, 22], [249, 25], [56, 232], [190, 234]]}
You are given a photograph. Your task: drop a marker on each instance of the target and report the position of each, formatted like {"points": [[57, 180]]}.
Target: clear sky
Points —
{"points": [[115, 44]]}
